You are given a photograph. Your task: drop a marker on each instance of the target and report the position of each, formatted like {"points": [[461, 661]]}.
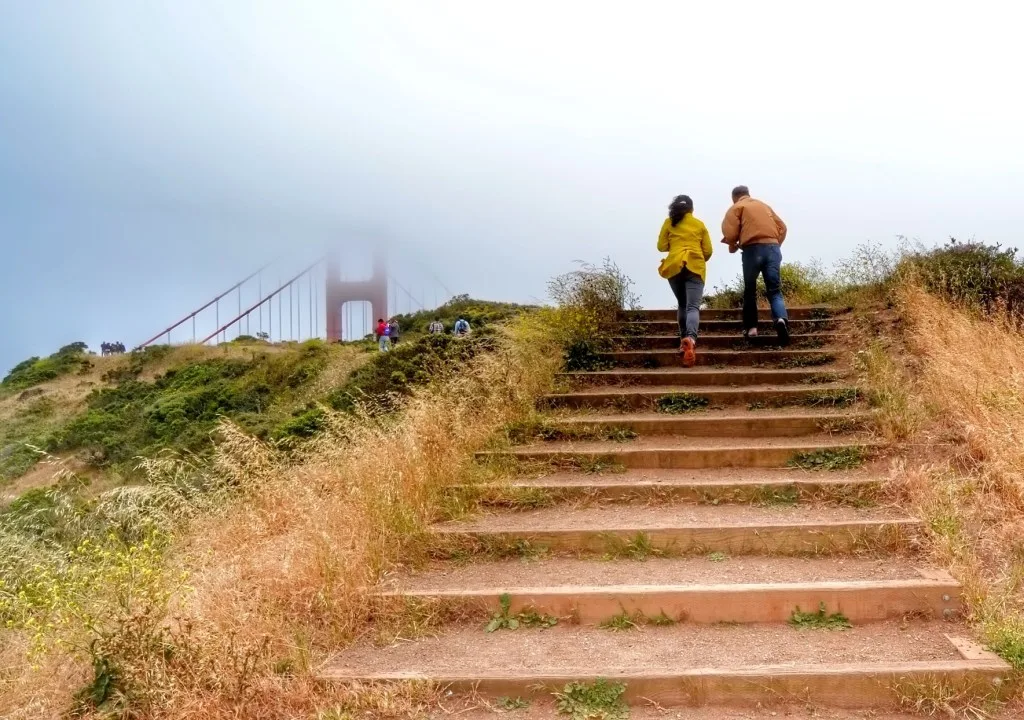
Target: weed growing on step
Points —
{"points": [[820, 620], [600, 700], [831, 398], [638, 547], [966, 700], [845, 458], [768, 495], [821, 378], [632, 621], [717, 556], [505, 620], [511, 704], [679, 403], [836, 426], [799, 361]]}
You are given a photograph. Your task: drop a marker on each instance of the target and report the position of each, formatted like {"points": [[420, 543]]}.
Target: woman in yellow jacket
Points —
{"points": [[688, 245]]}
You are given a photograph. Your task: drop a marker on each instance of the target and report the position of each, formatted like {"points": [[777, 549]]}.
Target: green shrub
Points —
{"points": [[986, 277], [68, 359]]}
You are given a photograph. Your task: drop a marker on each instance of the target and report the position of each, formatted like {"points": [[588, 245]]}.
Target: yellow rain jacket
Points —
{"points": [[688, 245]]}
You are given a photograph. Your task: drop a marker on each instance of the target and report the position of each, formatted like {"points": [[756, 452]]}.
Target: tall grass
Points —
{"points": [[967, 479], [266, 582]]}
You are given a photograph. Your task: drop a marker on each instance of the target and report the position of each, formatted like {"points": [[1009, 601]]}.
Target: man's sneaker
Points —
{"points": [[782, 328], [689, 350]]}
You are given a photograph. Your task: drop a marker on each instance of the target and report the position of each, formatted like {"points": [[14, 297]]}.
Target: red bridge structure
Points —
{"points": [[316, 301]]}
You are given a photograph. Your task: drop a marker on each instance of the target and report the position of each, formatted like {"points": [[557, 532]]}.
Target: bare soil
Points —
{"points": [[567, 572], [666, 516], [588, 651]]}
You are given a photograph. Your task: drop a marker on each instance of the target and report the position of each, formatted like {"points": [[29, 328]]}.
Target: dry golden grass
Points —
{"points": [[960, 405], [280, 575]]}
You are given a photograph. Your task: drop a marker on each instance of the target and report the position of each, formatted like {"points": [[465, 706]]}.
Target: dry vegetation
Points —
{"points": [[262, 566]]}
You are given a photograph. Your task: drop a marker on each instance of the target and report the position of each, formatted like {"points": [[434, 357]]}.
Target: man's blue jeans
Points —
{"points": [[762, 259]]}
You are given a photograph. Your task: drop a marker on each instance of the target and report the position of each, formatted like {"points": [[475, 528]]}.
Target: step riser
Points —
{"points": [[669, 327], [653, 459], [719, 427], [711, 358], [849, 493], [721, 342], [859, 602], [688, 378], [850, 687], [763, 314], [809, 539]]}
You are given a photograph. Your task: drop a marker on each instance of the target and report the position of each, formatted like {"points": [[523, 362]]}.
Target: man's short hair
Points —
{"points": [[740, 191]]}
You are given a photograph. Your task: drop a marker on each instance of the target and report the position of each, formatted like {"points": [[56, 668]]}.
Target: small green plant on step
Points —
{"points": [[717, 557], [510, 704], [505, 620], [627, 621], [768, 495], [679, 403], [638, 547], [843, 458], [831, 398], [820, 620], [600, 700]]}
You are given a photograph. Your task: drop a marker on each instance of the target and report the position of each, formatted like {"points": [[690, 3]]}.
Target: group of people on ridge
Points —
{"points": [[388, 333], [112, 348], [751, 227]]}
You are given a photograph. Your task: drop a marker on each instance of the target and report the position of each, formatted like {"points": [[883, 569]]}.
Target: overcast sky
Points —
{"points": [[153, 153]]}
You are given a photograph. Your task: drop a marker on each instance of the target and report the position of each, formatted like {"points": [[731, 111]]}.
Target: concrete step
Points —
{"points": [[688, 377], [670, 327], [860, 601], [654, 397], [791, 422], [628, 531], [871, 666], [768, 486], [751, 358], [803, 312], [727, 342], [678, 452]]}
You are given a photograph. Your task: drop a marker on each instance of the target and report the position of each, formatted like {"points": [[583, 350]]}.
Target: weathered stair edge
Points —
{"points": [[766, 358], [736, 377], [610, 489], [850, 686], [710, 342], [675, 458], [859, 601], [760, 425], [826, 395], [798, 312], [781, 539]]}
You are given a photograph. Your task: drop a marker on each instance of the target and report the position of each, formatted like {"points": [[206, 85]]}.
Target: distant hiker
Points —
{"points": [[436, 328], [753, 227], [383, 341], [688, 245], [461, 327], [104, 349], [394, 330]]}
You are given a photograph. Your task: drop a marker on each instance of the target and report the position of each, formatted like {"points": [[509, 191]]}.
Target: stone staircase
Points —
{"points": [[696, 532]]}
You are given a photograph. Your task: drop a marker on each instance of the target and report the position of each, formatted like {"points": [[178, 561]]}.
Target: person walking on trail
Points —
{"points": [[461, 327], [394, 331], [688, 244], [383, 341], [436, 327], [752, 227]]}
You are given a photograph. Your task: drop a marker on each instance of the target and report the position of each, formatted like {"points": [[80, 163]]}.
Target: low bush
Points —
{"points": [[70, 358]]}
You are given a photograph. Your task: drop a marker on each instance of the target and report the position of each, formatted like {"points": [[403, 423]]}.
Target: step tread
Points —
{"points": [[704, 370], [617, 518], [698, 571], [711, 478], [564, 651], [670, 442], [794, 337], [710, 390], [596, 416]]}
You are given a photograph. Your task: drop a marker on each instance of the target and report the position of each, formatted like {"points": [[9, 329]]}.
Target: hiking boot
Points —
{"points": [[782, 328], [688, 348]]}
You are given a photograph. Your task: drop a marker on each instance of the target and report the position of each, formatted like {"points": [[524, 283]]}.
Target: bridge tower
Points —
{"points": [[338, 292]]}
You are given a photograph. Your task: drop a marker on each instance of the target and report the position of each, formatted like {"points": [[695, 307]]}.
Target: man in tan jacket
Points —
{"points": [[753, 227]]}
